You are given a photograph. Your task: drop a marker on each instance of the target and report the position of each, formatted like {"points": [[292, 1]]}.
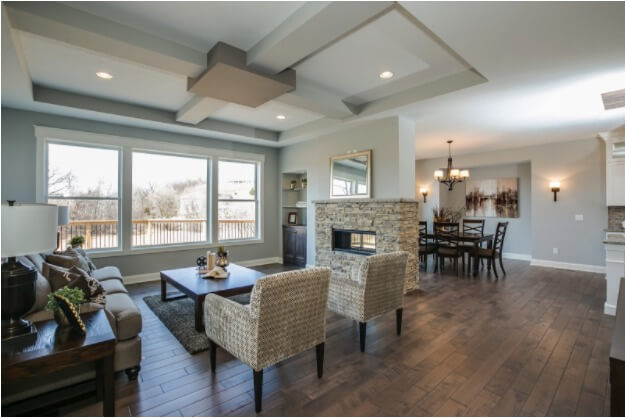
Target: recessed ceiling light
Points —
{"points": [[104, 75], [281, 117], [385, 75]]}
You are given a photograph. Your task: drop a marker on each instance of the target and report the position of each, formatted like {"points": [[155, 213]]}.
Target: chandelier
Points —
{"points": [[450, 176]]}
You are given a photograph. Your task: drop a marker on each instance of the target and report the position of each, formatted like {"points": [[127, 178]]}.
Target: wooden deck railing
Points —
{"points": [[145, 232]]}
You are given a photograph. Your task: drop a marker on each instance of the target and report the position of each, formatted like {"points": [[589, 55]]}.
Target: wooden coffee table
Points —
{"points": [[192, 284], [53, 351]]}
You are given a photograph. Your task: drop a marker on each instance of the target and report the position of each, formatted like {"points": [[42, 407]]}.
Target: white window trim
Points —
{"points": [[257, 199], [46, 134]]}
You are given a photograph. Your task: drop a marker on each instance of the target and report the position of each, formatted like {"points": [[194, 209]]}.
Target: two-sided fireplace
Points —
{"points": [[353, 241]]}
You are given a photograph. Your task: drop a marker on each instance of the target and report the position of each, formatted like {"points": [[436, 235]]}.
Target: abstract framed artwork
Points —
{"points": [[496, 198]]}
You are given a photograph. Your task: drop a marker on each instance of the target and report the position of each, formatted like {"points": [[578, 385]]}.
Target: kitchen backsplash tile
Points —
{"points": [[616, 215]]}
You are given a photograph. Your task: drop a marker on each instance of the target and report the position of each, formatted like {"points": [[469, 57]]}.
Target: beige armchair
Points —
{"points": [[374, 288], [286, 316]]}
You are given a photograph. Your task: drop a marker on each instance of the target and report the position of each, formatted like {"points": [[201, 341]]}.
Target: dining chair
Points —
{"points": [[374, 287], [495, 249], [286, 316], [426, 247], [448, 244], [471, 226]]}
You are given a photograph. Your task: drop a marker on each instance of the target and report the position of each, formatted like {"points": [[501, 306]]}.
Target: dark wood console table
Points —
{"points": [[53, 351]]}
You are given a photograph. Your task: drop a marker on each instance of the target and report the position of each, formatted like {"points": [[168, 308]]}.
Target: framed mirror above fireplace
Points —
{"points": [[350, 175], [353, 241]]}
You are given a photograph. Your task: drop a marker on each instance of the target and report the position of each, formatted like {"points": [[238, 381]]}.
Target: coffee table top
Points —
{"points": [[190, 281]]}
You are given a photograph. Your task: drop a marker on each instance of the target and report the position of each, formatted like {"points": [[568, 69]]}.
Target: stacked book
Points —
{"points": [[300, 204]]}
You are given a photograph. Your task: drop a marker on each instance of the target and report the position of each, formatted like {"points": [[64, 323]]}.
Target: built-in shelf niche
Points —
{"points": [[290, 196]]}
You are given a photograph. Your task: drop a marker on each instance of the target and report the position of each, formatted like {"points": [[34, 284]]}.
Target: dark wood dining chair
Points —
{"points": [[471, 226], [426, 246], [447, 244], [495, 249]]}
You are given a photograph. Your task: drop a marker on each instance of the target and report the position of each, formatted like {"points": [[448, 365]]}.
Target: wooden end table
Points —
{"points": [[54, 351], [191, 283]]}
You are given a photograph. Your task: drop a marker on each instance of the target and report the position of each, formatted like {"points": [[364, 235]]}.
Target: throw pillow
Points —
{"points": [[70, 259], [93, 290], [83, 253], [58, 277]]}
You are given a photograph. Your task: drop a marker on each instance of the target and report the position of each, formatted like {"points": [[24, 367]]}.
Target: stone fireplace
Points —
{"points": [[349, 229]]}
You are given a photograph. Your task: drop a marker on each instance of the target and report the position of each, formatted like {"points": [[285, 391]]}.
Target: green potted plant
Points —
{"points": [[77, 241], [75, 295]]}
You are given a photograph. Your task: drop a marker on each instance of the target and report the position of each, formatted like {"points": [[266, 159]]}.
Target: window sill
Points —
{"points": [[172, 248]]}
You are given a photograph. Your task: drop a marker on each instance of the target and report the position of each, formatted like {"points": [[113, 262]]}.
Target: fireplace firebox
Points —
{"points": [[353, 241]]}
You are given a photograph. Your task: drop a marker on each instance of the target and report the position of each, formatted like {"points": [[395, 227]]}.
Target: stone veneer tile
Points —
{"points": [[616, 215], [395, 222]]}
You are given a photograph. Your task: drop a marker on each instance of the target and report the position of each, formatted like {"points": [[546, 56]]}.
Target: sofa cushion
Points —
{"points": [[93, 290], [37, 260], [83, 253], [80, 257], [106, 273], [123, 315], [113, 286]]}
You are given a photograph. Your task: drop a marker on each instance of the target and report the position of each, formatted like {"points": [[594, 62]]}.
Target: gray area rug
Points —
{"points": [[179, 318]]}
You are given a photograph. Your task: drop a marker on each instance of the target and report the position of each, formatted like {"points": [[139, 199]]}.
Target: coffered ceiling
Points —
{"points": [[474, 71]]}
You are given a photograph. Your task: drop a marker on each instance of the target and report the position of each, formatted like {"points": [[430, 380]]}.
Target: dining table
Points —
{"points": [[471, 238]]}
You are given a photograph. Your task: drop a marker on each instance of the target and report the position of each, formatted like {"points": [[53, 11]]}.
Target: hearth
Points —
{"points": [[353, 241]]}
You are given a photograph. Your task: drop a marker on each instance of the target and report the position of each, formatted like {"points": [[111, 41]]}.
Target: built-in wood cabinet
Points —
{"points": [[294, 245], [615, 170]]}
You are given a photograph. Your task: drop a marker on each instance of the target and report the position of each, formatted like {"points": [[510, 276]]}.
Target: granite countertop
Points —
{"points": [[617, 241], [366, 200], [614, 230]]}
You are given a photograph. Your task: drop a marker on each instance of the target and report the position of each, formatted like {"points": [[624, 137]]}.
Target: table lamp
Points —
{"points": [[63, 220], [26, 229]]}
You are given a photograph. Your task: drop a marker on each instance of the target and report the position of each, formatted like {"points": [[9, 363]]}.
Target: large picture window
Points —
{"points": [[169, 199], [237, 200], [86, 179]]}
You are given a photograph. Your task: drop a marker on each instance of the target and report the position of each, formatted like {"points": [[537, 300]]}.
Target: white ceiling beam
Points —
{"points": [[165, 119], [66, 24], [199, 108], [16, 81], [312, 27], [316, 99]]}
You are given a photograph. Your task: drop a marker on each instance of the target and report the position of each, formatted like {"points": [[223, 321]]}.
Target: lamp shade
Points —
{"points": [[28, 229], [63, 215]]}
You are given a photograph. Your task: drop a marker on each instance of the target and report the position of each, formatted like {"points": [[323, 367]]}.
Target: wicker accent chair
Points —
{"points": [[375, 288], [286, 316]]}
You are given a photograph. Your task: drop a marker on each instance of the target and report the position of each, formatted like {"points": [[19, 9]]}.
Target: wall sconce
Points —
{"points": [[424, 192], [555, 188]]}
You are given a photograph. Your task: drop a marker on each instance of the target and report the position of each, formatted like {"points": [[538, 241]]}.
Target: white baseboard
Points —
{"points": [[609, 309], [517, 256], [259, 261], [142, 278], [150, 277], [567, 266]]}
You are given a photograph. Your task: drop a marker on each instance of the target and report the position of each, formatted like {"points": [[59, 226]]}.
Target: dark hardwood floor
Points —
{"points": [[532, 343]]}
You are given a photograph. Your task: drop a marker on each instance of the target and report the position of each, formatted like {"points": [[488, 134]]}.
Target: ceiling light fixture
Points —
{"points": [[450, 176], [385, 75], [281, 117], [104, 75]]}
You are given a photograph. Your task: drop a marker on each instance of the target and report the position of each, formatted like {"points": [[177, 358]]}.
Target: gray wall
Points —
{"points": [[580, 168], [519, 233], [18, 182], [386, 140]]}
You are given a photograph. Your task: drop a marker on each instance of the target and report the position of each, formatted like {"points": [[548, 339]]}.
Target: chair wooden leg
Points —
{"points": [[258, 389], [363, 335], [501, 264], [488, 263], [425, 261], [494, 263], [435, 263], [320, 348], [213, 355], [398, 316]]}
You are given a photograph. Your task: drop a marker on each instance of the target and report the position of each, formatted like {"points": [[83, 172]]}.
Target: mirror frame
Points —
{"points": [[366, 153]]}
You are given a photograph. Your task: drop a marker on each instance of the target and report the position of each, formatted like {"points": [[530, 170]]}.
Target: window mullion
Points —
{"points": [[125, 181]]}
